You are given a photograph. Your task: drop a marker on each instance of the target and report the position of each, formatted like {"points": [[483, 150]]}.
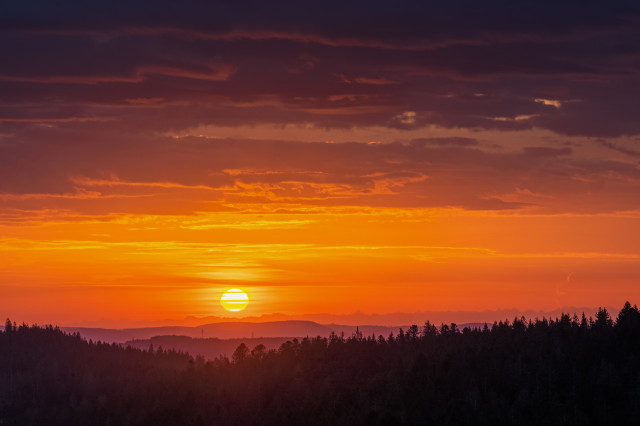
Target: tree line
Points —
{"points": [[568, 370]]}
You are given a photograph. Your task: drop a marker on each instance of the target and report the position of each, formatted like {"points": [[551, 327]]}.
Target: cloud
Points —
{"points": [[628, 151], [403, 22], [543, 151], [549, 102], [452, 141], [92, 90], [551, 66], [56, 168]]}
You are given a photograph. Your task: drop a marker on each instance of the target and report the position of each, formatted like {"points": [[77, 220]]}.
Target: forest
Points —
{"points": [[563, 371]]}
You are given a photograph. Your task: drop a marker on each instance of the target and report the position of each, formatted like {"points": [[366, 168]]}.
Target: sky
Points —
{"points": [[325, 157]]}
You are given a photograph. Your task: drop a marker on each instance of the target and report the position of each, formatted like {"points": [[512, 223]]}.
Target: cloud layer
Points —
{"points": [[155, 66]]}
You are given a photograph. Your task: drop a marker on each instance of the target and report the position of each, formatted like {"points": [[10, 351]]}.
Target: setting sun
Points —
{"points": [[234, 300]]}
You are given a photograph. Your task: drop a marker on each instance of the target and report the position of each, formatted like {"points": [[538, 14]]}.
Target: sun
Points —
{"points": [[234, 300]]}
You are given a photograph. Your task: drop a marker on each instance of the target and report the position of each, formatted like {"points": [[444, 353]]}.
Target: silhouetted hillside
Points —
{"points": [[213, 347], [565, 371], [208, 348]]}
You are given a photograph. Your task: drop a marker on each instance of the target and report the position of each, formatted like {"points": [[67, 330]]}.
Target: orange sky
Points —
{"points": [[152, 250], [148, 165]]}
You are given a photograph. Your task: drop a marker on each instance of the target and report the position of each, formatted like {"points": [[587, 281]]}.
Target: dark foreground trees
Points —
{"points": [[565, 371]]}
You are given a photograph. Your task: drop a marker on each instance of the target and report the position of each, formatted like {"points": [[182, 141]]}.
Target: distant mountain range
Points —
{"points": [[219, 336], [393, 319], [230, 330], [222, 338], [281, 325], [213, 340]]}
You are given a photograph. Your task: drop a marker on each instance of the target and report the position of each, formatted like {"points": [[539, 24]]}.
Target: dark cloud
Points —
{"points": [[622, 149], [369, 64], [89, 90], [541, 151], [382, 21], [453, 141]]}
